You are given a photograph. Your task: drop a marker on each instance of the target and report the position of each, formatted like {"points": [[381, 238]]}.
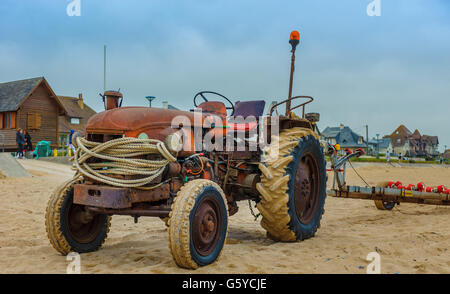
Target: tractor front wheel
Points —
{"points": [[70, 227], [198, 224]]}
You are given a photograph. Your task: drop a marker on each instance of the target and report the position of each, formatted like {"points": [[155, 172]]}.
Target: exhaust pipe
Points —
{"points": [[112, 99]]}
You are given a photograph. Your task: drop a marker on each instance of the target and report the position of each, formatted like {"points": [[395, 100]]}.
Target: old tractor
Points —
{"points": [[191, 168]]}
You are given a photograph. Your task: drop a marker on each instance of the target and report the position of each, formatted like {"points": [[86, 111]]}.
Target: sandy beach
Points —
{"points": [[410, 239]]}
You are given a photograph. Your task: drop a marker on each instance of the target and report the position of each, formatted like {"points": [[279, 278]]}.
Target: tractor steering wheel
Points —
{"points": [[201, 94]]}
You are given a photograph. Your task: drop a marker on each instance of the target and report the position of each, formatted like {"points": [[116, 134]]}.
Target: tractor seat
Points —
{"points": [[214, 107], [243, 111]]}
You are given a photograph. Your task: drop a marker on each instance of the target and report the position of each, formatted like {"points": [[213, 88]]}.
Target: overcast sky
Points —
{"points": [[382, 71]]}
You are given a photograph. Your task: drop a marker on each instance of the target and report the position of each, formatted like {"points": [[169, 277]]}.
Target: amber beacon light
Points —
{"points": [[294, 39], [295, 35]]}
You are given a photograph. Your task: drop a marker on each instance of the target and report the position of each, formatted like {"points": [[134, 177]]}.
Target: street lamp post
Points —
{"points": [[378, 146], [443, 154], [150, 99]]}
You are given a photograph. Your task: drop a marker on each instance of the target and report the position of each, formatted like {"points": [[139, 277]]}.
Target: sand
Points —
{"points": [[410, 239]]}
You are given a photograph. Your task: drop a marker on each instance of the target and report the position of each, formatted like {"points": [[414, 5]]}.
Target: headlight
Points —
{"points": [[174, 142], [143, 136]]}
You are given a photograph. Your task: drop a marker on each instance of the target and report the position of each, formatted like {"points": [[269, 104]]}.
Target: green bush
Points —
{"points": [[372, 160], [62, 152], [392, 160]]}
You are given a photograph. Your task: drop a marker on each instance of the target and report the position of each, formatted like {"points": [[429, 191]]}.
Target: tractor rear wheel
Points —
{"points": [[69, 227], [293, 186], [198, 224]]}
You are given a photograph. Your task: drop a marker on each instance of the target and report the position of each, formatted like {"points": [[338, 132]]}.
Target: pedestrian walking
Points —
{"points": [[20, 141]]}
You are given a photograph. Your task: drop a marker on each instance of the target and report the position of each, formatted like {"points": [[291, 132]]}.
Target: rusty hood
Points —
{"points": [[125, 119]]}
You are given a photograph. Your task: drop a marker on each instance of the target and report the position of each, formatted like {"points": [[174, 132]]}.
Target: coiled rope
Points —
{"points": [[119, 158]]}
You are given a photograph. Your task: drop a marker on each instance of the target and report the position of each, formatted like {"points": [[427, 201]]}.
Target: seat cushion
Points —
{"points": [[244, 110], [249, 108]]}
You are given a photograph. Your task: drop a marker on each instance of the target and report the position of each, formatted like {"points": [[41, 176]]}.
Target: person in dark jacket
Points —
{"points": [[27, 138], [20, 141]]}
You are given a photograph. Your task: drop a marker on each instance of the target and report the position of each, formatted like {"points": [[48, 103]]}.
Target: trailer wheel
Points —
{"points": [[198, 224], [69, 227], [293, 186], [384, 205]]}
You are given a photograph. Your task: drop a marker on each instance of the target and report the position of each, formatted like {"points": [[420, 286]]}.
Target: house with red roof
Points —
{"points": [[413, 144]]}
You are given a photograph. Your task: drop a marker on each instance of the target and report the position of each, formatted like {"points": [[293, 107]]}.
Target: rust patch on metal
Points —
{"points": [[116, 198]]}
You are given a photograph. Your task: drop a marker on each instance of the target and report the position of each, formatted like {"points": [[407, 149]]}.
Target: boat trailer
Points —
{"points": [[386, 196]]}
